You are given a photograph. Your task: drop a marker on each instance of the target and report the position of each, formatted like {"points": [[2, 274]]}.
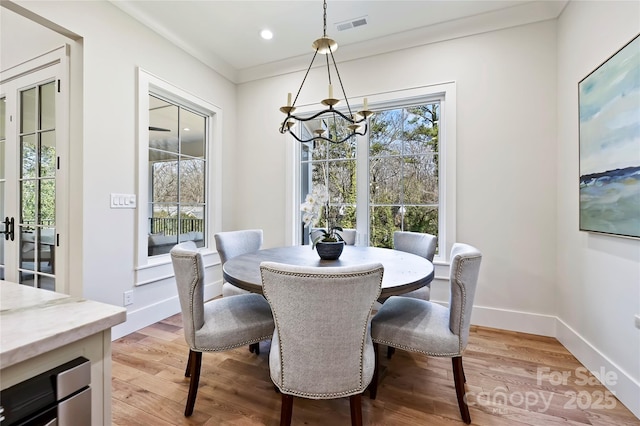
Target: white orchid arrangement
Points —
{"points": [[311, 209]]}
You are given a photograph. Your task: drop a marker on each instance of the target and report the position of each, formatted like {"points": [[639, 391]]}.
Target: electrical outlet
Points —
{"points": [[637, 321], [128, 297]]}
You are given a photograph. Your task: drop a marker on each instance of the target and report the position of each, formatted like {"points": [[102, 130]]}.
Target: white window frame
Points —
{"points": [[445, 94], [155, 268]]}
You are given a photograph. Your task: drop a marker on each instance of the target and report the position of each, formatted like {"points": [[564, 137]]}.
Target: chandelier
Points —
{"points": [[331, 125]]}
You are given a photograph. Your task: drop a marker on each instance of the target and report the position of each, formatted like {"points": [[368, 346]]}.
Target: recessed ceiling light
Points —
{"points": [[266, 34], [186, 129]]}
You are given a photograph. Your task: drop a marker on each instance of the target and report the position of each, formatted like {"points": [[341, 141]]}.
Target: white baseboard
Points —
{"points": [[157, 312], [624, 387], [504, 319], [524, 322]]}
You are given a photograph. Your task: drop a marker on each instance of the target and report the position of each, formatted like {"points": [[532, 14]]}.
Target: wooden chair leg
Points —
{"points": [[390, 351], [355, 402], [254, 348], [459, 379], [373, 386], [286, 411], [195, 361], [187, 371]]}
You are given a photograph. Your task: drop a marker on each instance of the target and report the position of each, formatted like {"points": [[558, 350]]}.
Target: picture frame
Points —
{"points": [[609, 145]]}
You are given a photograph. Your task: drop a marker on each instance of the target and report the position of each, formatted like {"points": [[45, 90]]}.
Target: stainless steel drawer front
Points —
{"points": [[76, 411], [70, 381]]}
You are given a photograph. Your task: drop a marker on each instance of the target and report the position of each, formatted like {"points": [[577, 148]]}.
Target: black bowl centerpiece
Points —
{"points": [[328, 244]]}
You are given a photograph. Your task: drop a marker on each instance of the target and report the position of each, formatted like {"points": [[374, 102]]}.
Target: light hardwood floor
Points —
{"points": [[512, 379]]}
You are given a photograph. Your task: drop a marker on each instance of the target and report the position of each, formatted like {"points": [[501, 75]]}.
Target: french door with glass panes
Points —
{"points": [[32, 116]]}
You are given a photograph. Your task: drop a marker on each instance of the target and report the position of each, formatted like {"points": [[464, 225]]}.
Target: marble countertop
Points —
{"points": [[35, 321]]}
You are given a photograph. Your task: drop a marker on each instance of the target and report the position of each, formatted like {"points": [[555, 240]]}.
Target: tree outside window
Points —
{"points": [[403, 185]]}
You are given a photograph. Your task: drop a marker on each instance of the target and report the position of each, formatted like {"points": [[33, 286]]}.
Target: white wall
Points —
{"points": [[23, 39], [114, 45], [517, 167], [506, 168], [598, 280]]}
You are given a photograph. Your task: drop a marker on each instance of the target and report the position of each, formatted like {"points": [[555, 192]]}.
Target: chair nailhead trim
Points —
{"points": [[410, 349]]}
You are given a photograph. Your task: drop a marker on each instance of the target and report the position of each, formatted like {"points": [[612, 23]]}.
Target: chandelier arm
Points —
{"points": [[340, 80], [326, 111], [315, 138], [305, 77]]}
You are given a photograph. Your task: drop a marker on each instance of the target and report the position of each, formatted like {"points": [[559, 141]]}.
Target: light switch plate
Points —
{"points": [[123, 201]]}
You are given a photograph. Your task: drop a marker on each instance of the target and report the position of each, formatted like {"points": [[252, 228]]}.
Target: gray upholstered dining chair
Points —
{"points": [[234, 243], [349, 236], [321, 347], [421, 326], [217, 325], [420, 244]]}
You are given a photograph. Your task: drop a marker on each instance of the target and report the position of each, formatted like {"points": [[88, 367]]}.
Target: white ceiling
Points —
{"points": [[226, 34]]}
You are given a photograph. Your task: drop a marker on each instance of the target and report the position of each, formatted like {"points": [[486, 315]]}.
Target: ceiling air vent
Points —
{"points": [[351, 23]]}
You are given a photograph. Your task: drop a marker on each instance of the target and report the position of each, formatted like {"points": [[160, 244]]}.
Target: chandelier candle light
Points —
{"points": [[326, 46]]}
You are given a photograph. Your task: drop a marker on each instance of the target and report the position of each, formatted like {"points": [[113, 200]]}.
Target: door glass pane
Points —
{"points": [[29, 157], [47, 106], [28, 247], [47, 203], [48, 154], [3, 110], [46, 249], [28, 111], [28, 201], [2, 227]]}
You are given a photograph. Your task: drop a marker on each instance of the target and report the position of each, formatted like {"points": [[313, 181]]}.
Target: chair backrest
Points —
{"points": [[189, 273], [322, 334], [349, 236], [234, 243], [423, 245], [463, 277]]}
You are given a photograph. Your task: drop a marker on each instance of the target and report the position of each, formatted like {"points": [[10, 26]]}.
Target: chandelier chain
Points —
{"points": [[325, 18]]}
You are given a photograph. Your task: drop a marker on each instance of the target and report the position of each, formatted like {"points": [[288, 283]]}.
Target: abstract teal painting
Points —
{"points": [[609, 103]]}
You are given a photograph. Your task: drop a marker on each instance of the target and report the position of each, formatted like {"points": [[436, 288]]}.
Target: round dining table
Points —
{"points": [[403, 272]]}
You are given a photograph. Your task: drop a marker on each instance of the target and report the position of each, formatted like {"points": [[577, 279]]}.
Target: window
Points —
{"points": [[400, 176], [177, 166], [179, 174], [403, 172]]}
